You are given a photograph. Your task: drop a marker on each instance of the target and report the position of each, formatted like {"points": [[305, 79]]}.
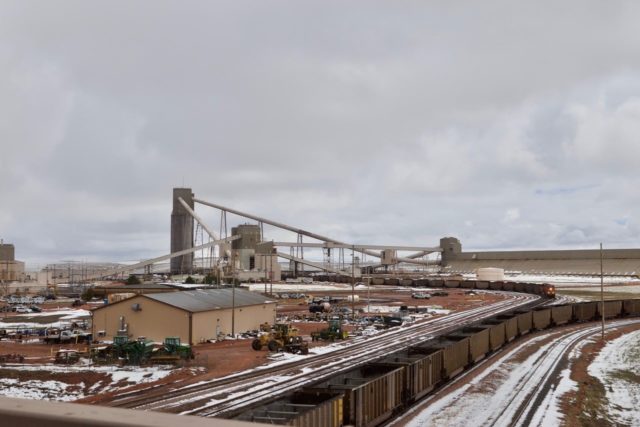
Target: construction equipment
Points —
{"points": [[11, 358], [67, 357], [333, 332], [172, 351], [283, 337]]}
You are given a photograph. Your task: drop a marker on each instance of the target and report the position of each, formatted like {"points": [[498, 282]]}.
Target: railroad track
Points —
{"points": [[545, 372], [230, 395]]}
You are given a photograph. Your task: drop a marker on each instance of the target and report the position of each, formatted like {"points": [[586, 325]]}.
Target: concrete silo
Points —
{"points": [[181, 231]]}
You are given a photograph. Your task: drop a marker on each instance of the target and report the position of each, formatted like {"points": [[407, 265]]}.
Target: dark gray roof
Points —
{"points": [[209, 299]]}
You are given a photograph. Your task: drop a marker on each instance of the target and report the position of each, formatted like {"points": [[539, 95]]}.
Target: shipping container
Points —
{"points": [[561, 314], [510, 325], [525, 322], [301, 409], [482, 284], [371, 393], [631, 307], [584, 311], [497, 332], [541, 318], [611, 309]]}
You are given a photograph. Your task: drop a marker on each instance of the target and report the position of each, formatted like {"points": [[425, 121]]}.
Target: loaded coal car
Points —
{"points": [[302, 409], [525, 321], [631, 307], [477, 342], [497, 332], [372, 393], [436, 283], [510, 325], [468, 284], [520, 287], [611, 309], [541, 318], [422, 372], [496, 286], [584, 311], [391, 281], [561, 314], [482, 284], [452, 283], [454, 351], [508, 286]]}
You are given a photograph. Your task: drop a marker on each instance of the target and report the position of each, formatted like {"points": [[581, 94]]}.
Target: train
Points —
{"points": [[371, 394], [542, 289]]}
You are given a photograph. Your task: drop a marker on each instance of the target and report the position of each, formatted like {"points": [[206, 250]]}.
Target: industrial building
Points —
{"points": [[194, 316], [580, 262], [10, 269]]}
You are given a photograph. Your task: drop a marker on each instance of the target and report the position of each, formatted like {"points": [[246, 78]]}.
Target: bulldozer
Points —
{"points": [[282, 337], [333, 332]]}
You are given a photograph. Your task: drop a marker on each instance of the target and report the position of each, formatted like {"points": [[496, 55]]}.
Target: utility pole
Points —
{"points": [[353, 284], [233, 306], [602, 288]]}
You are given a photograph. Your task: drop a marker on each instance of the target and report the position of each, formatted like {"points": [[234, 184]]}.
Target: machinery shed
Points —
{"points": [[194, 316]]}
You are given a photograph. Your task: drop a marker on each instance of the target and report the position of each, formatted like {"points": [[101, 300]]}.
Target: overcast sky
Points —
{"points": [[508, 126]]}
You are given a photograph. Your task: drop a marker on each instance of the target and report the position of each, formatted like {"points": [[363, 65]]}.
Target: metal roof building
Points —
{"points": [[210, 299], [194, 316]]}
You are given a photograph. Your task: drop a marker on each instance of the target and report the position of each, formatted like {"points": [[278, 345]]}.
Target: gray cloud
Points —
{"points": [[510, 126]]}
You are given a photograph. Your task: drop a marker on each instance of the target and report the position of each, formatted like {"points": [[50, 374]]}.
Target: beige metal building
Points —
{"points": [[194, 316]]}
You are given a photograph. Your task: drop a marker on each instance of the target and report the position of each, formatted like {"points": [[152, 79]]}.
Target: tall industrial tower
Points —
{"points": [[181, 231]]}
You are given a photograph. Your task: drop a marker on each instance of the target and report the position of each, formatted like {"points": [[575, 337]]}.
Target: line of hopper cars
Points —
{"points": [[373, 393], [544, 290]]}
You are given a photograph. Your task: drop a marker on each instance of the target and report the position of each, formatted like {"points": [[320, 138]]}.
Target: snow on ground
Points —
{"points": [[471, 400], [617, 367], [115, 378], [499, 387]]}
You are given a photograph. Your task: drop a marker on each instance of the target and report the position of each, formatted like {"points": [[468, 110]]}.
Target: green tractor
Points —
{"points": [[172, 351], [333, 332]]}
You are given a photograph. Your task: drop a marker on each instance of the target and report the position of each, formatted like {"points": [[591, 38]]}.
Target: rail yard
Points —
{"points": [[236, 335]]}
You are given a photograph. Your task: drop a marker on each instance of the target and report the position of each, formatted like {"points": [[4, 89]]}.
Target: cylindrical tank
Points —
{"points": [[490, 274]]}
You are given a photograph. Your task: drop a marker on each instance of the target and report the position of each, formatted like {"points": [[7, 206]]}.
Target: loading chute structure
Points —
{"points": [[246, 248]]}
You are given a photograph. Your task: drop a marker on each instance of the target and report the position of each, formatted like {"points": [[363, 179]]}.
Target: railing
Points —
{"points": [[32, 413]]}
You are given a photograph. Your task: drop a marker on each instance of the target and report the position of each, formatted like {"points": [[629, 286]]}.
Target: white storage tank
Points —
{"points": [[490, 274]]}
